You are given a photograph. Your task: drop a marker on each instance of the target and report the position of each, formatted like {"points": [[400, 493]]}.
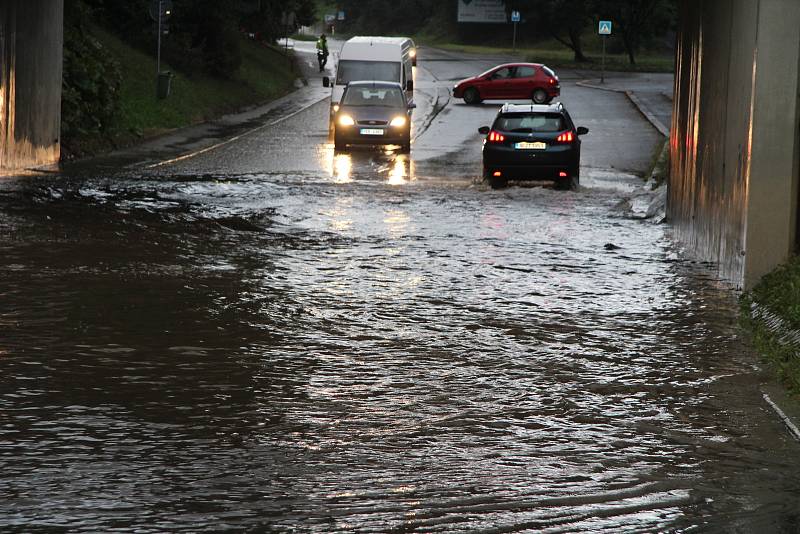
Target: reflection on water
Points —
{"points": [[367, 162], [402, 170], [213, 353], [341, 168]]}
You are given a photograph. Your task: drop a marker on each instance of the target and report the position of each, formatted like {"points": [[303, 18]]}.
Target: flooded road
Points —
{"points": [[269, 337]]}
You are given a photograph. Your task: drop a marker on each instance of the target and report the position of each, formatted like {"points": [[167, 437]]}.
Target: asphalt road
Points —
{"points": [[232, 328]]}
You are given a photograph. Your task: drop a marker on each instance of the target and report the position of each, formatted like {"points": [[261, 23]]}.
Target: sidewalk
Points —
{"points": [[651, 93]]}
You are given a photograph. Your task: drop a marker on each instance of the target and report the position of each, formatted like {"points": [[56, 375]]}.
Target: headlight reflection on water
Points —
{"points": [[342, 167], [338, 166], [396, 169], [400, 171]]}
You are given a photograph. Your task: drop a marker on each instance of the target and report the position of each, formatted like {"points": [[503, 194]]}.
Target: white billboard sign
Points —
{"points": [[482, 11]]}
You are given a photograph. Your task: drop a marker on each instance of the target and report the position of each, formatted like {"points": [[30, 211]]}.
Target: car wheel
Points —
{"points": [[567, 184], [540, 96], [338, 146], [576, 179], [405, 148], [471, 96], [495, 182]]}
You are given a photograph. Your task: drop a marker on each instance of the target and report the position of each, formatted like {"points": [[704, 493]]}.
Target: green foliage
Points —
{"points": [[564, 20], [202, 36], [637, 21], [91, 78], [265, 73], [778, 292], [638, 24]]}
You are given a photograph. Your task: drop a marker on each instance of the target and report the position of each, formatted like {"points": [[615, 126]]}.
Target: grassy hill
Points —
{"points": [[265, 74]]}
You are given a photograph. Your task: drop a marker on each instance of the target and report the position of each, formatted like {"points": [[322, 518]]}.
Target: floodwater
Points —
{"points": [[369, 344]]}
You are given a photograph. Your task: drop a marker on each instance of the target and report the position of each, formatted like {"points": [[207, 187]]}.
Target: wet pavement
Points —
{"points": [[268, 337], [651, 93]]}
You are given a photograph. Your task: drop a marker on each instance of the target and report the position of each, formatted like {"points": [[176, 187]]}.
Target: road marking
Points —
{"points": [[791, 426], [234, 138]]}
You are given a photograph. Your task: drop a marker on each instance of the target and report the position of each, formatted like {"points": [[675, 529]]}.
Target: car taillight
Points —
{"points": [[495, 137], [566, 137]]}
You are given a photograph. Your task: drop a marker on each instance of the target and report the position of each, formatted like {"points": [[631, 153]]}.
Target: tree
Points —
{"points": [[564, 20], [638, 21]]}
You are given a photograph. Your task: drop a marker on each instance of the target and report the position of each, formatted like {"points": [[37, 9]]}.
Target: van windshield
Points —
{"points": [[380, 71]]}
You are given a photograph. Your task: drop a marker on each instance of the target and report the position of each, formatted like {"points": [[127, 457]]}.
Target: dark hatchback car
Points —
{"points": [[530, 142], [373, 113], [523, 81]]}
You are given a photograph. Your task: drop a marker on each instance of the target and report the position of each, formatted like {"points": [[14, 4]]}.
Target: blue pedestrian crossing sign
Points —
{"points": [[515, 16], [604, 28]]}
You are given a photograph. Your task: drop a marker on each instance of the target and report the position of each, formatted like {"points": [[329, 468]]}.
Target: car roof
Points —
{"points": [[518, 65], [555, 107], [374, 83]]}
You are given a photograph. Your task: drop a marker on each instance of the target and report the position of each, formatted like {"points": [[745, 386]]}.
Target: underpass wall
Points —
{"points": [[31, 44], [732, 195]]}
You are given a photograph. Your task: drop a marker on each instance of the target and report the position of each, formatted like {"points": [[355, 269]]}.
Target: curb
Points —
{"points": [[773, 395], [652, 119]]}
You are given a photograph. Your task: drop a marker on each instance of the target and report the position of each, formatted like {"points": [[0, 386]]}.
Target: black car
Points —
{"points": [[373, 113], [530, 142]]}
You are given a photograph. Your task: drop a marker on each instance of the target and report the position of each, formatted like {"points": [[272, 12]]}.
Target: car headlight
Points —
{"points": [[346, 120], [335, 107], [398, 121], [412, 53]]}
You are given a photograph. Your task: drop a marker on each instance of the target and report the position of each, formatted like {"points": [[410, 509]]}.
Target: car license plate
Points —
{"points": [[524, 145], [371, 131]]}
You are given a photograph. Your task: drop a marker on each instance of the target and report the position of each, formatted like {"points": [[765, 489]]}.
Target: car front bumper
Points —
{"points": [[355, 135]]}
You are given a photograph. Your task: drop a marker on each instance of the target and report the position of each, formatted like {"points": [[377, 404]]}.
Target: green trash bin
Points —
{"points": [[164, 84]]}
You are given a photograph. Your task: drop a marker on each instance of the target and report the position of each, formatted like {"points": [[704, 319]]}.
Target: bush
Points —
{"points": [[91, 78], [222, 52]]}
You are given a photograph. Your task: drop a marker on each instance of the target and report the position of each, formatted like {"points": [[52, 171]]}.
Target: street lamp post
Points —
{"points": [[158, 30], [160, 10]]}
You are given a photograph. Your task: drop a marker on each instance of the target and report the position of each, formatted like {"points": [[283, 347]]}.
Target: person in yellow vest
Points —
{"points": [[322, 51]]}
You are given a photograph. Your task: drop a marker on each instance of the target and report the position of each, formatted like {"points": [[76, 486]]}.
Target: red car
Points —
{"points": [[509, 82]]}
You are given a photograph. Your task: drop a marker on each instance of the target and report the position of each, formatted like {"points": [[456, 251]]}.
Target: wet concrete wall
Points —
{"points": [[733, 190], [31, 43]]}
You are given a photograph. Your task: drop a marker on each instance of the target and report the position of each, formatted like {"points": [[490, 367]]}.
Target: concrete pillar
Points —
{"points": [[733, 190], [31, 50], [773, 188]]}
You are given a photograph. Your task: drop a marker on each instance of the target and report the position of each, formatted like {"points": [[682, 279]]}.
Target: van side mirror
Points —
{"points": [[410, 85], [582, 130], [483, 130], [326, 82]]}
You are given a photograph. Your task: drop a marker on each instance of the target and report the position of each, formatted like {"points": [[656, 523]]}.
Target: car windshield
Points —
{"points": [[530, 122], [373, 96], [381, 71]]}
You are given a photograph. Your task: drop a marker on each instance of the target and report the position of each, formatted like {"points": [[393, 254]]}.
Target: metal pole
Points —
{"points": [[514, 39], [158, 54], [603, 72]]}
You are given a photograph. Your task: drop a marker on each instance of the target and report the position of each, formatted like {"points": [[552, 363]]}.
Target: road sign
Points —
{"points": [[340, 15], [515, 16], [482, 11], [604, 28], [330, 17]]}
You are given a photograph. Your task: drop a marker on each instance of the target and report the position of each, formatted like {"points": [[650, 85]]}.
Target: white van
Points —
{"points": [[384, 59]]}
